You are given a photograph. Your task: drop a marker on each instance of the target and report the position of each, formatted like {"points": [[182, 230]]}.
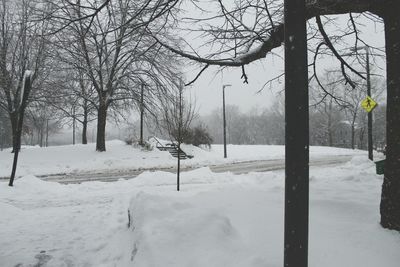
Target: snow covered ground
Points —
{"points": [[119, 156], [216, 220]]}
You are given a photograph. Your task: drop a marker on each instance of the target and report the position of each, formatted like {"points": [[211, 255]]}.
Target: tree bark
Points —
{"points": [[84, 132], [84, 124], [20, 117], [14, 126], [390, 199], [101, 127]]}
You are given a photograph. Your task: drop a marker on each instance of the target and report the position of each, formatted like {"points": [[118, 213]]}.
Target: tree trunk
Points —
{"points": [[73, 126], [390, 199], [47, 132], [84, 132], [14, 125], [84, 124], [101, 127], [330, 131], [353, 136], [20, 118], [41, 136]]}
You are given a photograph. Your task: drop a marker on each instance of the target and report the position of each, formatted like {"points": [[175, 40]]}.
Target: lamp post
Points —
{"points": [[223, 115], [370, 144]]}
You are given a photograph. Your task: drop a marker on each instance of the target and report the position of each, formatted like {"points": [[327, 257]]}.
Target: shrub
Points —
{"points": [[198, 136]]}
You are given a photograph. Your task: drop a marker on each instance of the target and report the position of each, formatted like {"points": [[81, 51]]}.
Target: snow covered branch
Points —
{"points": [[274, 40]]}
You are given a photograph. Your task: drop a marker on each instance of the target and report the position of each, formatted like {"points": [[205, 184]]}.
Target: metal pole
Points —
{"points": [[296, 136], [179, 140], [224, 118], [370, 144], [141, 115]]}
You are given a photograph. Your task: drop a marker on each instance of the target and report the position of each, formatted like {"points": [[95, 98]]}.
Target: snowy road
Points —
{"points": [[236, 168]]}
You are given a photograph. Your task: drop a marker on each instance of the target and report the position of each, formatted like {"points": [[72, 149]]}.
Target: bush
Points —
{"points": [[129, 141], [198, 136]]}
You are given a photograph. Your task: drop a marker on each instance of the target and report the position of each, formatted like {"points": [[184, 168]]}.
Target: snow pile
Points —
{"points": [[178, 231]]}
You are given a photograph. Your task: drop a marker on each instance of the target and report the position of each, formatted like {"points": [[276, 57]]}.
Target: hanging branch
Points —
{"points": [[198, 75], [343, 63]]}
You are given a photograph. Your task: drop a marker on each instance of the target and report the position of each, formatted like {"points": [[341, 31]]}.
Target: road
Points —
{"points": [[236, 168]]}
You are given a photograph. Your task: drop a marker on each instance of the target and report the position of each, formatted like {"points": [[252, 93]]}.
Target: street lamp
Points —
{"points": [[223, 115], [370, 145]]}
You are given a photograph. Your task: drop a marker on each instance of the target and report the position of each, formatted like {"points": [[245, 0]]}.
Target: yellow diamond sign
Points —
{"points": [[368, 104]]}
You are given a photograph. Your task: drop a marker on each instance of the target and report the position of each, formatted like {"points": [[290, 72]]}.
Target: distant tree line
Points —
{"points": [[335, 120]]}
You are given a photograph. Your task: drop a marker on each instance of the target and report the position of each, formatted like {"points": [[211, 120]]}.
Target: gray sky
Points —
{"points": [[207, 90]]}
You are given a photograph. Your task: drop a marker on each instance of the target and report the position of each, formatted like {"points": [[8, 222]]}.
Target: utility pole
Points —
{"points": [[296, 136], [223, 115], [369, 122], [180, 124], [141, 114], [370, 144]]}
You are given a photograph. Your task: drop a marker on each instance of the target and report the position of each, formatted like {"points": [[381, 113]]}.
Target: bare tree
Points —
{"points": [[177, 116], [115, 52], [22, 47]]}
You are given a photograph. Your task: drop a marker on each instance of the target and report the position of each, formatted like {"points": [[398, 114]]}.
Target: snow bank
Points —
{"points": [[167, 232]]}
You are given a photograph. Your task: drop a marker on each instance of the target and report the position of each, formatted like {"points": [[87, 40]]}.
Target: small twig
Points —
{"points": [[244, 76], [198, 75]]}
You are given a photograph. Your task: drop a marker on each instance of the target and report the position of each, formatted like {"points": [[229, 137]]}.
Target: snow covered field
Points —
{"points": [[216, 220], [119, 156]]}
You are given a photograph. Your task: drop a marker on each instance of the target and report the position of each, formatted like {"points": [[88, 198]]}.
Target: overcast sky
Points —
{"points": [[207, 90]]}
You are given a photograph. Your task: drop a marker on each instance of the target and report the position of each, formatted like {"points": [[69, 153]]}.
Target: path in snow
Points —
{"points": [[236, 168]]}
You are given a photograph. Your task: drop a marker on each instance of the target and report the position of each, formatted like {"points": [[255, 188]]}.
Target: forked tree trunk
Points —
{"points": [[390, 199], [101, 127]]}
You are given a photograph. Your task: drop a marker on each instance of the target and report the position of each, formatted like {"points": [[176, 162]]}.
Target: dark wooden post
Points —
{"points": [[296, 136]]}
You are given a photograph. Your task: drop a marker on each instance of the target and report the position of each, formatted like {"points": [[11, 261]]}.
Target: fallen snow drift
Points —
{"points": [[216, 220]]}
